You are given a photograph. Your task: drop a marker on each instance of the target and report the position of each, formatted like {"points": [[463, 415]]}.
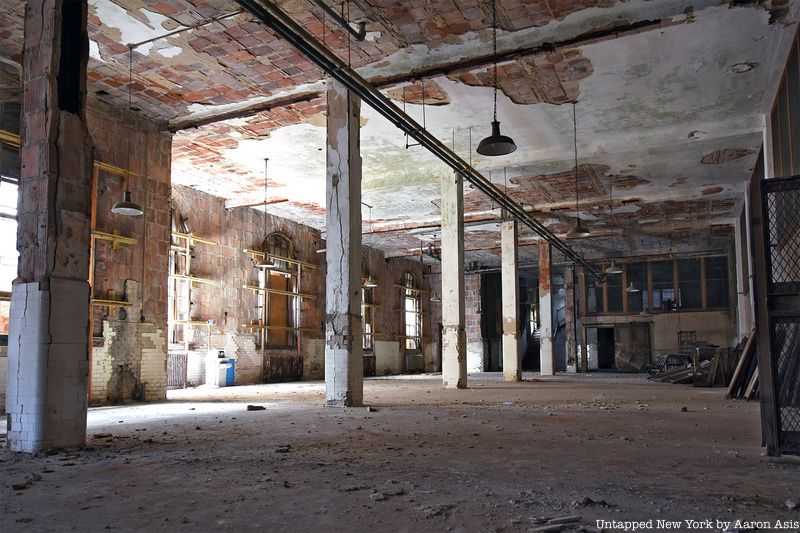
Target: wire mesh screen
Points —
{"points": [[786, 353], [781, 204]]}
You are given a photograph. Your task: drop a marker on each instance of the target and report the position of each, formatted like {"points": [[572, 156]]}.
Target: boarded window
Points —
{"points": [[281, 307]]}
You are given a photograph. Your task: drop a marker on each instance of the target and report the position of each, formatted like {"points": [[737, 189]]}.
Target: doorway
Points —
{"points": [[605, 349]]}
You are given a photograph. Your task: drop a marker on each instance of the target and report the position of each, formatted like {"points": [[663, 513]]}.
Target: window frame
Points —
{"points": [[288, 329], [649, 286], [412, 333]]}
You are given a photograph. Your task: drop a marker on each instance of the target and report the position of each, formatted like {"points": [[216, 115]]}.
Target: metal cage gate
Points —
{"points": [[777, 261]]}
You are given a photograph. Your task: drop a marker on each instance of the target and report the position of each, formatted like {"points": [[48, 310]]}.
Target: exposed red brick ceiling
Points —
{"points": [[429, 93], [552, 78]]}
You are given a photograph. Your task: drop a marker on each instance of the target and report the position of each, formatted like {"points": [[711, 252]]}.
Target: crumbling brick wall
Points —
{"points": [[231, 307], [129, 355]]}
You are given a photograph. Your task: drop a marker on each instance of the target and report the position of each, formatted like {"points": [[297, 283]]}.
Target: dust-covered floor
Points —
{"points": [[496, 457]]}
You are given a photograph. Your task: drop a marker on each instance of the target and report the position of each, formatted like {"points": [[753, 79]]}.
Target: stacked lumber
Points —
{"points": [[686, 375], [744, 381]]}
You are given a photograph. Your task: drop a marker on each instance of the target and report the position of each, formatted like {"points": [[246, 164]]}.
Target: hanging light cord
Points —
{"points": [[130, 108], [494, 46], [575, 149], [611, 205], [266, 174]]}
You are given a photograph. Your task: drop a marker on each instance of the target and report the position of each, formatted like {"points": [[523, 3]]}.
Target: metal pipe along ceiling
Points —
{"points": [[284, 26]]}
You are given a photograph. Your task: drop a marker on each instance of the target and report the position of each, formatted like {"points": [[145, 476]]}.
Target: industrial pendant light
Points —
{"points": [[127, 207], [369, 283], [496, 144], [631, 287], [578, 231], [265, 262], [613, 269]]}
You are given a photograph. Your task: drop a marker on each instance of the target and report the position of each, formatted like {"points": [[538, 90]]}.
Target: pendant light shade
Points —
{"points": [[578, 231], [369, 283], [614, 268], [496, 143], [126, 207], [436, 298], [632, 288]]}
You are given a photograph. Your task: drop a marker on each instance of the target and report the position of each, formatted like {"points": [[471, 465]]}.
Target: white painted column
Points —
{"points": [[344, 364], [454, 335], [512, 360], [546, 356]]}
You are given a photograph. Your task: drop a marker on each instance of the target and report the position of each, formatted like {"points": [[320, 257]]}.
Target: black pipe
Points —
{"points": [[291, 31], [362, 26]]}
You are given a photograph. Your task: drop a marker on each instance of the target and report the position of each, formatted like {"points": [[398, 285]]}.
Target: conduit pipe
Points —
{"points": [[358, 35], [284, 26]]}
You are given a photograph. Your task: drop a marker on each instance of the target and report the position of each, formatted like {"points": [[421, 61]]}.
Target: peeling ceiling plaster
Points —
{"points": [[651, 106]]}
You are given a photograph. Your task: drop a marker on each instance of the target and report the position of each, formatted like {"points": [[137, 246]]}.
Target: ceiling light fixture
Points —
{"points": [[613, 268], [265, 262], [496, 143], [369, 283], [631, 287], [128, 207], [578, 231]]}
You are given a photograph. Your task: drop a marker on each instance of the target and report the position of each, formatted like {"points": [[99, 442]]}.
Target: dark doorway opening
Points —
{"points": [[605, 348]]}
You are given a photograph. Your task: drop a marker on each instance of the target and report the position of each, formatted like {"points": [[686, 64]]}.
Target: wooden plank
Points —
{"points": [[752, 387], [712, 372], [740, 365]]}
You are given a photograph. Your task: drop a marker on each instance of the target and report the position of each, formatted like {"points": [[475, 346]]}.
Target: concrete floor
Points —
{"points": [[494, 457]]}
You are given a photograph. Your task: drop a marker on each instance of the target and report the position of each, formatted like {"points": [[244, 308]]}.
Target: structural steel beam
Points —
{"points": [[284, 26]]}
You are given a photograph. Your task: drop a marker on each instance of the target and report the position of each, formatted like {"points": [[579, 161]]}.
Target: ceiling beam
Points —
{"points": [[242, 112], [616, 31]]}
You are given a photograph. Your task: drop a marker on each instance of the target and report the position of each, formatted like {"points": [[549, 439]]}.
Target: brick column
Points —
{"points": [[48, 329], [546, 356], [454, 335], [512, 361], [344, 363]]}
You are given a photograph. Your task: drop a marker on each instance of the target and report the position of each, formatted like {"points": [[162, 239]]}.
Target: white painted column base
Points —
{"points": [[48, 363]]}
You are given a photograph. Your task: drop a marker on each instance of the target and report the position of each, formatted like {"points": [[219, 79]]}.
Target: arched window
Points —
{"points": [[412, 314], [279, 308]]}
